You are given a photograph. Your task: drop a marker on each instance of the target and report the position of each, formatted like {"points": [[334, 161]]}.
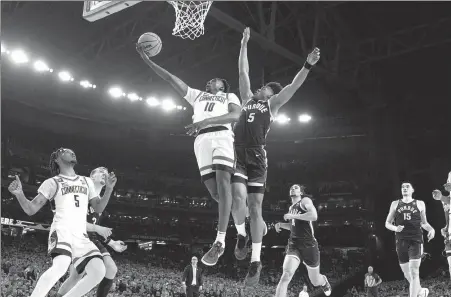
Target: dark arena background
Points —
{"points": [[373, 113]]}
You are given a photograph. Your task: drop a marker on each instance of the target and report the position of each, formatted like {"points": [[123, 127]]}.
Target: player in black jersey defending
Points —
{"points": [[98, 176], [446, 231], [249, 180], [302, 244], [406, 218]]}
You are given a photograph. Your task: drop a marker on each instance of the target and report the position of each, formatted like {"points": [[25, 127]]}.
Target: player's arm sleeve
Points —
{"points": [[192, 95]]}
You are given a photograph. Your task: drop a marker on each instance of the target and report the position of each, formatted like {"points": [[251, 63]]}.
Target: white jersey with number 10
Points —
{"points": [[207, 105]]}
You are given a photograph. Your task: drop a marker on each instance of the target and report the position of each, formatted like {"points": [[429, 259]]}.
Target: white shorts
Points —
{"points": [[214, 151], [79, 248]]}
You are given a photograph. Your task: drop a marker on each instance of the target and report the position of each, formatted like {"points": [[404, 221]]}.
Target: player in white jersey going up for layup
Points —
{"points": [[68, 240], [258, 112], [214, 111], [406, 218], [302, 245]]}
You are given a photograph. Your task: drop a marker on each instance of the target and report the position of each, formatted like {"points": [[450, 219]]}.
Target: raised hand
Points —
{"points": [[246, 36], [313, 57], [16, 187], [111, 180]]}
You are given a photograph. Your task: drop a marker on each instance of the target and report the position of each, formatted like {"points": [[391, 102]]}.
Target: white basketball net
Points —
{"points": [[190, 18]]}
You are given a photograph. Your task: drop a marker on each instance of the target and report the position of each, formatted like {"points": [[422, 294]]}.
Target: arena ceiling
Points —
{"points": [[359, 41]]}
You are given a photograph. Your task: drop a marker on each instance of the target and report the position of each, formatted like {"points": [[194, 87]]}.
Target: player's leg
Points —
{"points": [[448, 254], [223, 160], [257, 167], [70, 282], [415, 251], [110, 271], [239, 205], [311, 256], [88, 259], [290, 265], [59, 248]]}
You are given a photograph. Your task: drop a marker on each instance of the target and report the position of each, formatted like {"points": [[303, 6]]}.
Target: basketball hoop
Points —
{"points": [[190, 18]]}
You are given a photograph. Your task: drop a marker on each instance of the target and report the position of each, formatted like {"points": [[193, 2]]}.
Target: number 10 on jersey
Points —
{"points": [[209, 106]]}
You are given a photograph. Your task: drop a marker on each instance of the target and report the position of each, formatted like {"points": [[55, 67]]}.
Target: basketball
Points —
{"points": [[151, 42]]}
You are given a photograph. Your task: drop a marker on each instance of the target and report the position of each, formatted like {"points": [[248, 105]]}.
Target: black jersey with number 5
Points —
{"points": [[409, 216], [253, 125]]}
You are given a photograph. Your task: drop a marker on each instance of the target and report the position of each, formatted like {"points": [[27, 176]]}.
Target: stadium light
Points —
{"points": [[133, 97], [304, 118], [179, 107], [116, 92], [86, 84], [65, 76], [41, 66], [168, 105], [19, 57], [282, 119], [151, 101], [4, 50]]}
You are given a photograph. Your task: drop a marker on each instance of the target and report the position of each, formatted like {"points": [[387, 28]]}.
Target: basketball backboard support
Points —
{"points": [[96, 10]]}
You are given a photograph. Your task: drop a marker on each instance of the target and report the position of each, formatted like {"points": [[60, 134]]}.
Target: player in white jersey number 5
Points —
{"points": [[72, 194], [214, 111]]}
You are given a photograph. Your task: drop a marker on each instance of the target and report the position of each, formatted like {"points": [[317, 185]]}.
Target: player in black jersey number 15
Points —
{"points": [[406, 218], [101, 178], [302, 244], [249, 179]]}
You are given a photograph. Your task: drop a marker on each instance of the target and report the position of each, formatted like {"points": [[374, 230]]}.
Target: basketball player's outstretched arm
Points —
{"points": [[97, 203], [176, 82], [310, 215], [243, 67], [30, 207], [288, 91], [391, 217], [424, 223]]}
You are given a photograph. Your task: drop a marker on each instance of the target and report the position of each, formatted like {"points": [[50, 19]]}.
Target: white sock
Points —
{"points": [[256, 251], [241, 229], [221, 238]]}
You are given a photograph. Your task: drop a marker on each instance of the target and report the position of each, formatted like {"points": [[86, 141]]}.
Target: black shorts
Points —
{"points": [[103, 250], [408, 250], [251, 166], [305, 251]]}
